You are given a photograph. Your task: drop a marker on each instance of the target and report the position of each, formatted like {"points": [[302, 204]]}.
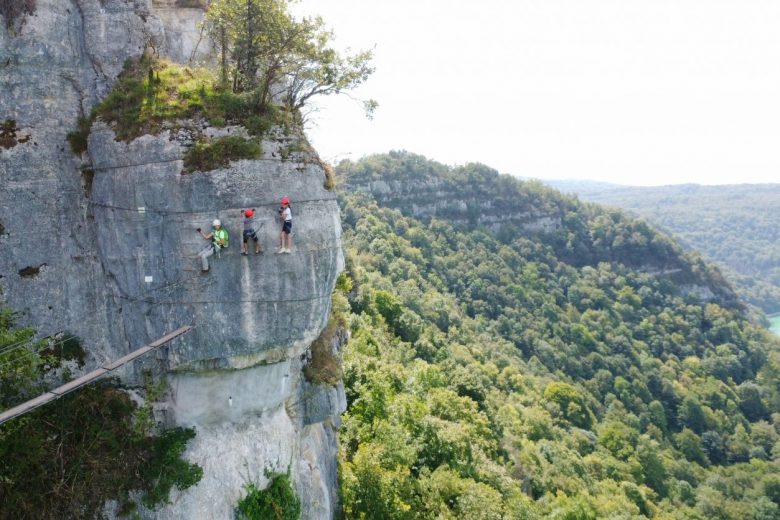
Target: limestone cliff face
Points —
{"points": [[468, 199], [247, 310], [104, 246]]}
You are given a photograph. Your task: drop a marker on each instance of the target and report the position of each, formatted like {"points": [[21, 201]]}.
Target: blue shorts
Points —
{"points": [[287, 227], [250, 233]]}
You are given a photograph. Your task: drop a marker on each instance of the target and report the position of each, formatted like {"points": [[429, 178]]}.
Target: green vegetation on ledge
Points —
{"points": [[151, 95], [493, 376], [278, 501], [210, 155], [271, 66]]}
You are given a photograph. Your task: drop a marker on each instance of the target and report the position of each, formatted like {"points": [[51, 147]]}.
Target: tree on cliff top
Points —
{"points": [[267, 52]]}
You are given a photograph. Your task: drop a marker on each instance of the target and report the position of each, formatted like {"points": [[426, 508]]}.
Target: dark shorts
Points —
{"points": [[287, 227], [250, 233]]}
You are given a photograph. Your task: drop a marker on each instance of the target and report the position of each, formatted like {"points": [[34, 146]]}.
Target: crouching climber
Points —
{"points": [[249, 232], [219, 240]]}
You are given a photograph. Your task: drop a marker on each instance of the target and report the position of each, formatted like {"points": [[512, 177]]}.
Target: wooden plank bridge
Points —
{"points": [[58, 392]]}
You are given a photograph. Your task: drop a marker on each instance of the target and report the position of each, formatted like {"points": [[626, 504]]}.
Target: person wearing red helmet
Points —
{"points": [[285, 240], [249, 232]]}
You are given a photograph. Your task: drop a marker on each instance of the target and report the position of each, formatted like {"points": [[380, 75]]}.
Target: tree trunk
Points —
{"points": [[223, 44]]}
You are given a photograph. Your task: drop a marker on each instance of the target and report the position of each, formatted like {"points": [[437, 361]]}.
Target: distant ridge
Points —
{"points": [[475, 195], [735, 225]]}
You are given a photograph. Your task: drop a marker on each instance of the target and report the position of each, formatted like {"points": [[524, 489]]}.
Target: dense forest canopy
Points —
{"points": [[737, 226], [496, 373]]}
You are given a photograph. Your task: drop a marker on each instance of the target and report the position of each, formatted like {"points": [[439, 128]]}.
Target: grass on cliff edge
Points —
{"points": [[210, 155], [150, 93]]}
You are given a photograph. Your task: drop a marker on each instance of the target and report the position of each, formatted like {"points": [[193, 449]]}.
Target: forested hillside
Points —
{"points": [[542, 373], [736, 226]]}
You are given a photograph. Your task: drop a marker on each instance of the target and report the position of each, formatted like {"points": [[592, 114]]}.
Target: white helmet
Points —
{"points": [[216, 222]]}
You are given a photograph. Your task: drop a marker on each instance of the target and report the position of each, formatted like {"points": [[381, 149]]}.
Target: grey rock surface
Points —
{"points": [[79, 255], [59, 64], [247, 310], [185, 40], [316, 468]]}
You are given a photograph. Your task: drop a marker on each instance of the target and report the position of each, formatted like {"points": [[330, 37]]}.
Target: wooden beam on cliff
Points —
{"points": [[58, 392]]}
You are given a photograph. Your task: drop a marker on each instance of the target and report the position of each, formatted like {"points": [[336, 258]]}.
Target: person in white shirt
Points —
{"points": [[285, 240]]}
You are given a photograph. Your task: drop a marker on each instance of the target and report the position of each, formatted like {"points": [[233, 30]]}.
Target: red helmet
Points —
{"points": [[285, 201], [248, 213]]}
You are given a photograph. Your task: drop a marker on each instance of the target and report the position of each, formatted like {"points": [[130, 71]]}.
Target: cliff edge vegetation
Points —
{"points": [[270, 66]]}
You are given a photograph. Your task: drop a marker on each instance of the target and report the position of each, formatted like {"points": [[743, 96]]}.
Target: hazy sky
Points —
{"points": [[628, 91]]}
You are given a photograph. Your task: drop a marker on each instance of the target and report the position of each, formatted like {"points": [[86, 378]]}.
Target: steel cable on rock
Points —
{"points": [[225, 302], [10, 348], [148, 209], [210, 281], [279, 160], [44, 346]]}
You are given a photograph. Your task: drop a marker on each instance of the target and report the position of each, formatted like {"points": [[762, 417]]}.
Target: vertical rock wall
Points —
{"points": [[80, 256]]}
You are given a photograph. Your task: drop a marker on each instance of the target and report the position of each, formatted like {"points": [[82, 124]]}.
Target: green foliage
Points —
{"points": [[165, 468], [619, 438], [493, 376], [262, 46], [151, 95], [570, 403], [736, 226], [67, 458], [278, 501], [205, 155], [78, 137]]}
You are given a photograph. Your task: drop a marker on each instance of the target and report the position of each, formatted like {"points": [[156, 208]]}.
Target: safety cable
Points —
{"points": [[170, 285], [290, 300], [5, 348], [147, 209], [20, 344], [168, 161], [207, 280], [32, 351]]}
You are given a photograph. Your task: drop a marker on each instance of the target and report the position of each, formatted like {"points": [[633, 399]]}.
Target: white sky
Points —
{"points": [[629, 91]]}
